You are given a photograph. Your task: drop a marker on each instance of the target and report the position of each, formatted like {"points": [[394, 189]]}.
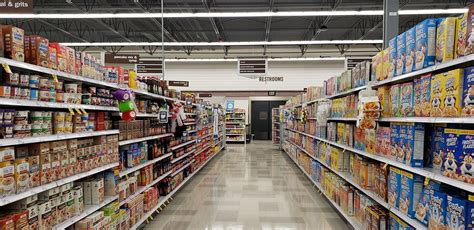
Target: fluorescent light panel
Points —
{"points": [[232, 14], [250, 43]]}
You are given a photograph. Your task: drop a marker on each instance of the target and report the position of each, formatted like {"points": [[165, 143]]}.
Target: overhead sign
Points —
{"points": [[16, 6], [252, 67], [122, 58], [352, 62], [179, 83], [229, 105], [149, 67], [265, 79], [271, 93], [205, 95]]}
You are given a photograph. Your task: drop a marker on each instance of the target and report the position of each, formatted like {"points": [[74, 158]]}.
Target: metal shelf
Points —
{"points": [[143, 188], [182, 168], [138, 167], [433, 120], [182, 157], [342, 119], [182, 144], [54, 105], [127, 142], [55, 137]]}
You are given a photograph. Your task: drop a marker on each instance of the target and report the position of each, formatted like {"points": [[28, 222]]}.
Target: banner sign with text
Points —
{"points": [[179, 83], [252, 67], [16, 7], [149, 68], [122, 58]]}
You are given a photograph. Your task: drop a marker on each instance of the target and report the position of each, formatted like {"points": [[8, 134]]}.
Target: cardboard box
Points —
{"points": [[53, 57], [410, 44], [406, 99], [438, 94], [456, 213], [467, 102], [395, 100], [401, 54], [452, 141], [392, 57], [39, 50], [425, 43], [410, 192], [445, 36], [414, 144], [464, 156], [437, 217], [14, 42], [451, 105], [394, 185]]}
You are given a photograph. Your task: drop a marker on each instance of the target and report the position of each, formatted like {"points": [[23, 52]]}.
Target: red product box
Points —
{"points": [[61, 56]]}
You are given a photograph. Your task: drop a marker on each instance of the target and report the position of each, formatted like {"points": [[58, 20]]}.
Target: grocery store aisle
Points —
{"points": [[254, 188]]}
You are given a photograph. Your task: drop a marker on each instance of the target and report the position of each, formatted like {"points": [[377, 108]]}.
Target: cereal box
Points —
{"points": [[370, 140], [392, 57], [445, 35], [393, 222], [422, 208], [450, 165], [349, 135], [410, 192], [467, 102], [453, 86], [394, 140], [385, 141], [410, 45], [438, 94], [406, 99], [461, 33], [384, 99], [425, 43], [438, 147], [13, 39], [385, 63], [470, 212], [469, 38], [395, 100], [401, 54], [377, 67], [465, 156], [53, 57], [422, 88], [340, 132], [394, 187], [414, 144], [359, 139], [455, 213], [401, 151], [437, 210]]}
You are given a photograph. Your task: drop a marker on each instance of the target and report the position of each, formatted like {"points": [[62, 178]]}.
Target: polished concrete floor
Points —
{"points": [[257, 187]]}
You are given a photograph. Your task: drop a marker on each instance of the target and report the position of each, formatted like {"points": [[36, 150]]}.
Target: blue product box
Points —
{"points": [[438, 147], [450, 165], [470, 212], [392, 56], [410, 45], [394, 140], [455, 213], [464, 156], [410, 192], [393, 222], [425, 54], [467, 102], [422, 208], [394, 178], [414, 144], [314, 170], [401, 143], [401, 54], [437, 210]]}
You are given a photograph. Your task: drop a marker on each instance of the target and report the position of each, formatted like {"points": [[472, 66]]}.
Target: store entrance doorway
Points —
{"points": [[261, 118]]}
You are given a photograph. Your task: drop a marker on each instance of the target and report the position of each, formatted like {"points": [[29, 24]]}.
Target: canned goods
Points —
{"points": [[59, 127], [34, 94], [34, 81], [24, 93], [46, 128], [15, 92], [52, 96], [8, 115], [12, 78], [44, 83], [86, 99], [68, 117], [5, 91], [21, 117], [22, 130], [92, 90], [37, 117], [6, 131], [24, 80], [37, 130]]}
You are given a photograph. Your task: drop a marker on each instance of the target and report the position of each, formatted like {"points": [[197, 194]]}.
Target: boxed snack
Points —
{"points": [[401, 54], [392, 57], [469, 38], [422, 88], [370, 140], [438, 147], [7, 178], [470, 211], [461, 35], [410, 192], [393, 222], [377, 67], [384, 98], [453, 87], [395, 100], [27, 49], [7, 154], [438, 94], [425, 54], [467, 102], [394, 180], [437, 214], [406, 99], [385, 63], [53, 57], [394, 140], [422, 208], [410, 45], [385, 141], [464, 156], [61, 56], [359, 139], [97, 191], [414, 144], [445, 35], [22, 174], [14, 43], [455, 213], [450, 167], [39, 50]]}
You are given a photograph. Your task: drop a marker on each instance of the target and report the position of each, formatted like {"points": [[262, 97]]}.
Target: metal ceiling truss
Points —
{"points": [[146, 5], [361, 26], [151, 50], [343, 48], [268, 25]]}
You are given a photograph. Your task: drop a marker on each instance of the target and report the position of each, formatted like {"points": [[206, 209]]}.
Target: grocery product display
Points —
{"points": [[276, 126], [235, 126]]}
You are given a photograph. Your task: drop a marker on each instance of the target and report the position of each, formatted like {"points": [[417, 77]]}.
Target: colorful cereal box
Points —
{"points": [[385, 141], [455, 213], [422, 208], [384, 99], [359, 139], [445, 35], [394, 178], [377, 67], [385, 63], [469, 38], [392, 57], [393, 225], [395, 100], [422, 89], [370, 140], [437, 94], [401, 143], [450, 165], [438, 147], [467, 102], [453, 80], [411, 186], [410, 50], [470, 212], [401, 54], [394, 140], [425, 43], [461, 33], [465, 156], [414, 144], [406, 99], [437, 210]]}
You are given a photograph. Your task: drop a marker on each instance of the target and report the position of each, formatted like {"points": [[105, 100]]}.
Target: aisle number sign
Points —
{"points": [[252, 67]]}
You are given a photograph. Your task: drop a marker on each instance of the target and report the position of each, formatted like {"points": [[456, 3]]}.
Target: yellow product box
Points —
{"points": [[377, 64], [445, 35], [461, 36], [453, 81], [340, 132], [384, 97], [438, 94], [7, 179], [336, 159], [385, 63], [22, 174]]}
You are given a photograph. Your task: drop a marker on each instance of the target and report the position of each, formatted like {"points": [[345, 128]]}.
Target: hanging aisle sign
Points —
{"points": [[252, 67], [16, 7], [122, 58], [149, 67]]}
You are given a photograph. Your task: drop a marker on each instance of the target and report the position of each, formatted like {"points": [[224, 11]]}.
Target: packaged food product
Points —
{"points": [[464, 156], [395, 100], [425, 54], [401, 143], [464, 33], [469, 38], [422, 89], [455, 213], [7, 154], [467, 102], [53, 57], [437, 214], [414, 144], [453, 80], [438, 94], [39, 50], [410, 192], [438, 147], [452, 141], [7, 178], [22, 174], [401, 54], [14, 42], [445, 35], [376, 73], [406, 99], [394, 181], [410, 50], [394, 140], [384, 98], [386, 63], [392, 57]]}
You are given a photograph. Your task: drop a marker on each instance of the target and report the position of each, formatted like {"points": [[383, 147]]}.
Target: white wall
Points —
{"points": [[222, 76]]}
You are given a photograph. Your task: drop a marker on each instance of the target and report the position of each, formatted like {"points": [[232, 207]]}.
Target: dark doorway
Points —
{"points": [[261, 118]]}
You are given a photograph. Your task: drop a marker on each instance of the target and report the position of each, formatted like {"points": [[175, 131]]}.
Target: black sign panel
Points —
{"points": [[149, 67], [179, 83], [253, 67], [122, 58], [16, 7], [205, 95]]}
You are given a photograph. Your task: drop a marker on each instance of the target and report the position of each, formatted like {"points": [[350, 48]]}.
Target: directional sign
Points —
{"points": [[252, 67]]}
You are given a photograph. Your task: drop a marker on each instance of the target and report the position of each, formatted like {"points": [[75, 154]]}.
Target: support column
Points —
{"points": [[390, 20]]}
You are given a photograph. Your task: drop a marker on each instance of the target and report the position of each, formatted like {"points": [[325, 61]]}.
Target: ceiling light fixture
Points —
{"points": [[231, 14], [249, 43], [269, 59]]}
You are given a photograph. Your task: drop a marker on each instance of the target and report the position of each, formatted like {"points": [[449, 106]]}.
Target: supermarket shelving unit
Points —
{"points": [[428, 173], [276, 126], [235, 127]]}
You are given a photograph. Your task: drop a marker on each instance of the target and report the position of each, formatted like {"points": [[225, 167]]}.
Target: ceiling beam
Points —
{"points": [[268, 25], [156, 22]]}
